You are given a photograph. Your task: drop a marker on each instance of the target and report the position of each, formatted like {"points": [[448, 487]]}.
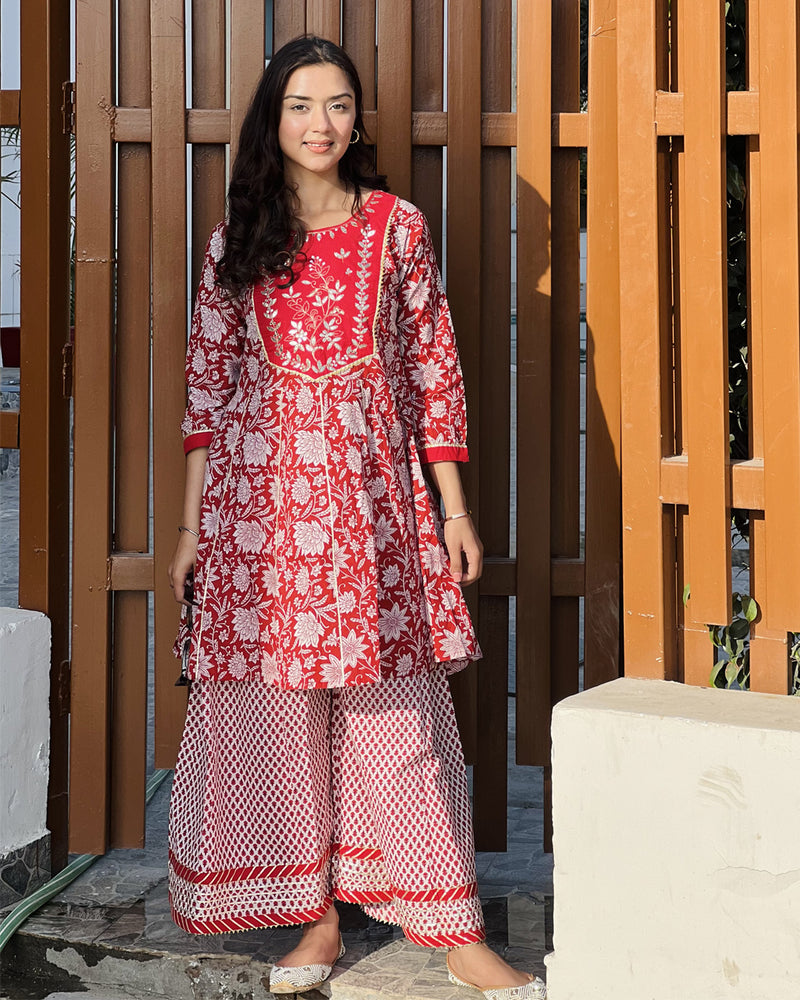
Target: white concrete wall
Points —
{"points": [[24, 726], [676, 817]]}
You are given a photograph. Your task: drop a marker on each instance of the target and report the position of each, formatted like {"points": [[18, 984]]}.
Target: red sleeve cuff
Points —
{"points": [[202, 439], [444, 453]]}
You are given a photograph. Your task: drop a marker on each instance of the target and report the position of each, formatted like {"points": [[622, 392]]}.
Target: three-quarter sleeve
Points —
{"points": [[433, 380], [214, 351]]}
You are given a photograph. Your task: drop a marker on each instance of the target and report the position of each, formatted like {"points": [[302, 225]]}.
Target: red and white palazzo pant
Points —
{"points": [[284, 800]]}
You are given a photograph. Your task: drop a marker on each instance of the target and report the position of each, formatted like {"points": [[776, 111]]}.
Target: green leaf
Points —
{"points": [[749, 609], [717, 673], [736, 185], [739, 628], [687, 593], [731, 672]]}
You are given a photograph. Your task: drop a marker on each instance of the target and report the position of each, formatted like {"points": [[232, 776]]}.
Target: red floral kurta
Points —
{"points": [[320, 561]]}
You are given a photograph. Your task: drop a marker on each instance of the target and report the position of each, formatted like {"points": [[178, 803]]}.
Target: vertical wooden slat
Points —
{"points": [[534, 39], [358, 39], [668, 318], [92, 489], [704, 320], [323, 18], [247, 57], [44, 426], [692, 647], [602, 532], [208, 91], [394, 93], [769, 664], [780, 310], [169, 337], [464, 273], [428, 95], [640, 348], [494, 440], [697, 652], [289, 21], [768, 653], [132, 444]]}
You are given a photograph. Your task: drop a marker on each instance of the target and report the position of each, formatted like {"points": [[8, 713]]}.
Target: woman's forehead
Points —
{"points": [[321, 81]]}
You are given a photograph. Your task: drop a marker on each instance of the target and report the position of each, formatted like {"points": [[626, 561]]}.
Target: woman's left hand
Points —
{"points": [[465, 550]]}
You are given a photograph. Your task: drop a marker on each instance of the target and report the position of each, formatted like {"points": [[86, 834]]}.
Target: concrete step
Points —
{"points": [[379, 965], [110, 935]]}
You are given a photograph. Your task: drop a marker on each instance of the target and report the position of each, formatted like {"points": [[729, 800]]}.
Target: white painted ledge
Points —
{"points": [[676, 815], [24, 726]]}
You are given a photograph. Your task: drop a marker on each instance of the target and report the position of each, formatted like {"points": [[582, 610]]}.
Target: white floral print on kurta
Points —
{"points": [[320, 558]]}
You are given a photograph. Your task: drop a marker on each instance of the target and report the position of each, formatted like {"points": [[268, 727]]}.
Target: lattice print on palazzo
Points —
{"points": [[255, 841]]}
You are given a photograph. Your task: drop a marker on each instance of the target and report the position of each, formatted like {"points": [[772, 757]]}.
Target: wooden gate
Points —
{"points": [[676, 114], [151, 183]]}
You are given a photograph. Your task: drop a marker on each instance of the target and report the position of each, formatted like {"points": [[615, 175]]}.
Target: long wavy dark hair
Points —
{"points": [[262, 208]]}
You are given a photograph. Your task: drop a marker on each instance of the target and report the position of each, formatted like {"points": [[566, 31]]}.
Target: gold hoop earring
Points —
{"points": [[357, 135]]}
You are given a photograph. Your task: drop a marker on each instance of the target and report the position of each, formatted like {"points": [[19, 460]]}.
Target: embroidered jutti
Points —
{"points": [[327, 618]]}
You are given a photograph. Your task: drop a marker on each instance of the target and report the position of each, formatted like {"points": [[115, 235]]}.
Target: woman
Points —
{"points": [[320, 757]]}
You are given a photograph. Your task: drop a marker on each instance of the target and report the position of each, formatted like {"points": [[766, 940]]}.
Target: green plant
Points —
{"points": [[732, 643], [731, 668]]}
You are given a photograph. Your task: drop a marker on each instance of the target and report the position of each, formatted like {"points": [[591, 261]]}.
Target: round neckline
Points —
{"points": [[347, 221]]}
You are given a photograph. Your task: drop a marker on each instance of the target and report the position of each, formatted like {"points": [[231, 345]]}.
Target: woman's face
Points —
{"points": [[317, 119]]}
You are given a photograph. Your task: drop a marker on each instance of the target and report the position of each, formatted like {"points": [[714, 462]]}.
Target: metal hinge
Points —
{"points": [[68, 107]]}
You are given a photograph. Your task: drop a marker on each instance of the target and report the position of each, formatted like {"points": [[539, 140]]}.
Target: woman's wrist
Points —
{"points": [[456, 516]]}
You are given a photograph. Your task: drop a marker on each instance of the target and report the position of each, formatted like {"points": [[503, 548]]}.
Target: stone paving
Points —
{"points": [[111, 930]]}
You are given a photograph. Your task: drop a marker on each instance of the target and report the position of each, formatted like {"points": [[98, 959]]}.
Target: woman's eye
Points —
{"points": [[298, 107], [339, 107]]}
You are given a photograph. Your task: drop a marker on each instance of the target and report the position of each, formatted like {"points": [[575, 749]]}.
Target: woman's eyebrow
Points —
{"points": [[300, 97]]}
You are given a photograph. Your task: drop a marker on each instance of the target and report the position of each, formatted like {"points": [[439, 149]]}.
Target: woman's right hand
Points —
{"points": [[182, 565]]}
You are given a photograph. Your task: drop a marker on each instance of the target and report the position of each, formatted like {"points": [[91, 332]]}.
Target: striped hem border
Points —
{"points": [[248, 922], [232, 925], [246, 873], [445, 940], [451, 895]]}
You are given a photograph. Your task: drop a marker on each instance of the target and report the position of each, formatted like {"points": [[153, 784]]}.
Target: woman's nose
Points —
{"points": [[320, 121]]}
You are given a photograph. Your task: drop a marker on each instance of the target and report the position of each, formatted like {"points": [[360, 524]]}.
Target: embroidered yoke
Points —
{"points": [[320, 558]]}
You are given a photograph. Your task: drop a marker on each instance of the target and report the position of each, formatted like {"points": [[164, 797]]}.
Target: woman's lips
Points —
{"points": [[319, 147]]}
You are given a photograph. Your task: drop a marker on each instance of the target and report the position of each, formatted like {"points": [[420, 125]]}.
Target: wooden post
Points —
{"points": [[44, 428], [705, 316], [602, 535], [169, 347], [534, 289], [132, 439], [93, 464], [640, 345], [780, 309]]}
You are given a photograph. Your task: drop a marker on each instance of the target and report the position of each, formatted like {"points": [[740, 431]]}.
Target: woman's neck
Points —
{"points": [[320, 195]]}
